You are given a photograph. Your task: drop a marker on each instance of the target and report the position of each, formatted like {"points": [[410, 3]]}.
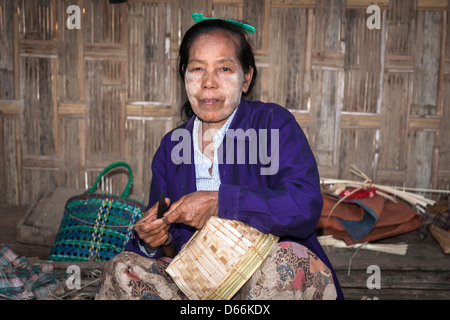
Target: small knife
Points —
{"points": [[168, 247], [162, 206]]}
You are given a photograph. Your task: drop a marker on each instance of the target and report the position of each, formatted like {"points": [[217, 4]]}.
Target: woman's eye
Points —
{"points": [[194, 69], [225, 69]]}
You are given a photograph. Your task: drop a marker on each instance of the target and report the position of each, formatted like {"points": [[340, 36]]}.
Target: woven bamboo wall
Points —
{"points": [[73, 101]]}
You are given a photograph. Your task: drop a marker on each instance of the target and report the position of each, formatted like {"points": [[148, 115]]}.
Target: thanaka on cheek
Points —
{"points": [[225, 93]]}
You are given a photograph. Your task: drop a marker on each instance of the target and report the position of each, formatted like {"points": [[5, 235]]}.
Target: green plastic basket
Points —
{"points": [[97, 226]]}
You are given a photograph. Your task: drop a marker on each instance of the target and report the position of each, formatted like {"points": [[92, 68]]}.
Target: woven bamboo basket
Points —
{"points": [[219, 258], [442, 236]]}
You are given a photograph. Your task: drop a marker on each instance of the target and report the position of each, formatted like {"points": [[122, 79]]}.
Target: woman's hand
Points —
{"points": [[194, 209], [152, 231]]}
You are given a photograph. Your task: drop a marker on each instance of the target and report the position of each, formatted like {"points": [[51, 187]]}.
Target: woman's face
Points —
{"points": [[214, 77]]}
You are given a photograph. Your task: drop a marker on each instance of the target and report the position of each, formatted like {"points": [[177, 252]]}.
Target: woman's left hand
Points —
{"points": [[194, 209]]}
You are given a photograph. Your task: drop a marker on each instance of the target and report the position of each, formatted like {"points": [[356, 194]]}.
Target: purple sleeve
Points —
{"points": [[291, 203]]}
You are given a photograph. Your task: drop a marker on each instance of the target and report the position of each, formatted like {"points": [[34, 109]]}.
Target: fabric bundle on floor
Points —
{"points": [[437, 220], [366, 219], [438, 214], [20, 280]]}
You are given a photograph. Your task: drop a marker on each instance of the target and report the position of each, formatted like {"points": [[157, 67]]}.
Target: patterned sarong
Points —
{"points": [[290, 271]]}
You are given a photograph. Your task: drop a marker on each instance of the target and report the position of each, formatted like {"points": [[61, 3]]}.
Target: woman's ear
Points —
{"points": [[247, 79]]}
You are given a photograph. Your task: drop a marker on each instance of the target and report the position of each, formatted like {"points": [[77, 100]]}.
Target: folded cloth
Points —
{"points": [[438, 214], [21, 281], [366, 219]]}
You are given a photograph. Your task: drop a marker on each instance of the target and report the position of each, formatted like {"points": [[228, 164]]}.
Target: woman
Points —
{"points": [[250, 161]]}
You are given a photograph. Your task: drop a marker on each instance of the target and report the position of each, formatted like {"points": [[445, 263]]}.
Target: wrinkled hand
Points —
{"points": [[194, 209], [151, 230]]}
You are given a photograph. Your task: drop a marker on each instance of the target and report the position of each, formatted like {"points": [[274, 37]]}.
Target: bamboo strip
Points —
{"points": [[399, 248], [413, 199], [202, 269], [9, 107], [417, 201]]}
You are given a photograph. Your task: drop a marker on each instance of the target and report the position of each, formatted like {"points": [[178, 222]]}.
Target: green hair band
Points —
{"points": [[248, 28]]}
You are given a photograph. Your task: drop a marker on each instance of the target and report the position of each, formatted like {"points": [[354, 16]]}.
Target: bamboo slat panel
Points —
{"points": [[37, 106], [288, 33], [70, 51], [142, 140], [421, 145], [181, 17], [149, 52], [6, 50], [37, 180], [37, 19], [426, 61], [444, 148], [71, 152], [228, 10], [10, 107], [327, 27], [400, 21], [325, 115], [395, 115], [10, 166], [113, 182], [354, 151], [106, 108], [256, 12], [103, 22], [447, 39], [362, 64]]}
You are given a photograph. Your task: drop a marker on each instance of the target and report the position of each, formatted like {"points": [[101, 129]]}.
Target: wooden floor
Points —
{"points": [[423, 273]]}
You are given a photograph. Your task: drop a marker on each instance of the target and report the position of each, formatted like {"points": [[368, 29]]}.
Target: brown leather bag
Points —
{"points": [[366, 219]]}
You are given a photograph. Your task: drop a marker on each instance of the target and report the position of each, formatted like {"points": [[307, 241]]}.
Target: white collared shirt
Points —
{"points": [[204, 180]]}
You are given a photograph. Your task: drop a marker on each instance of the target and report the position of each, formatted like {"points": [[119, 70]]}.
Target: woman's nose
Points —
{"points": [[209, 80]]}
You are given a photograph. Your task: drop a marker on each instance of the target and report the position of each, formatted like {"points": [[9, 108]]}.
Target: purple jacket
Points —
{"points": [[285, 202]]}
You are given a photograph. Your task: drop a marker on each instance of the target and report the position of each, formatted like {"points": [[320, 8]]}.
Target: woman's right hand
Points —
{"points": [[151, 230]]}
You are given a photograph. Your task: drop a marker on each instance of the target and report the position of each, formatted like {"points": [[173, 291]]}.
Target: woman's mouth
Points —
{"points": [[209, 101]]}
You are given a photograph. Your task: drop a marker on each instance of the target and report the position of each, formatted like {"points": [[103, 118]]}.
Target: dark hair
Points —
{"points": [[244, 51]]}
